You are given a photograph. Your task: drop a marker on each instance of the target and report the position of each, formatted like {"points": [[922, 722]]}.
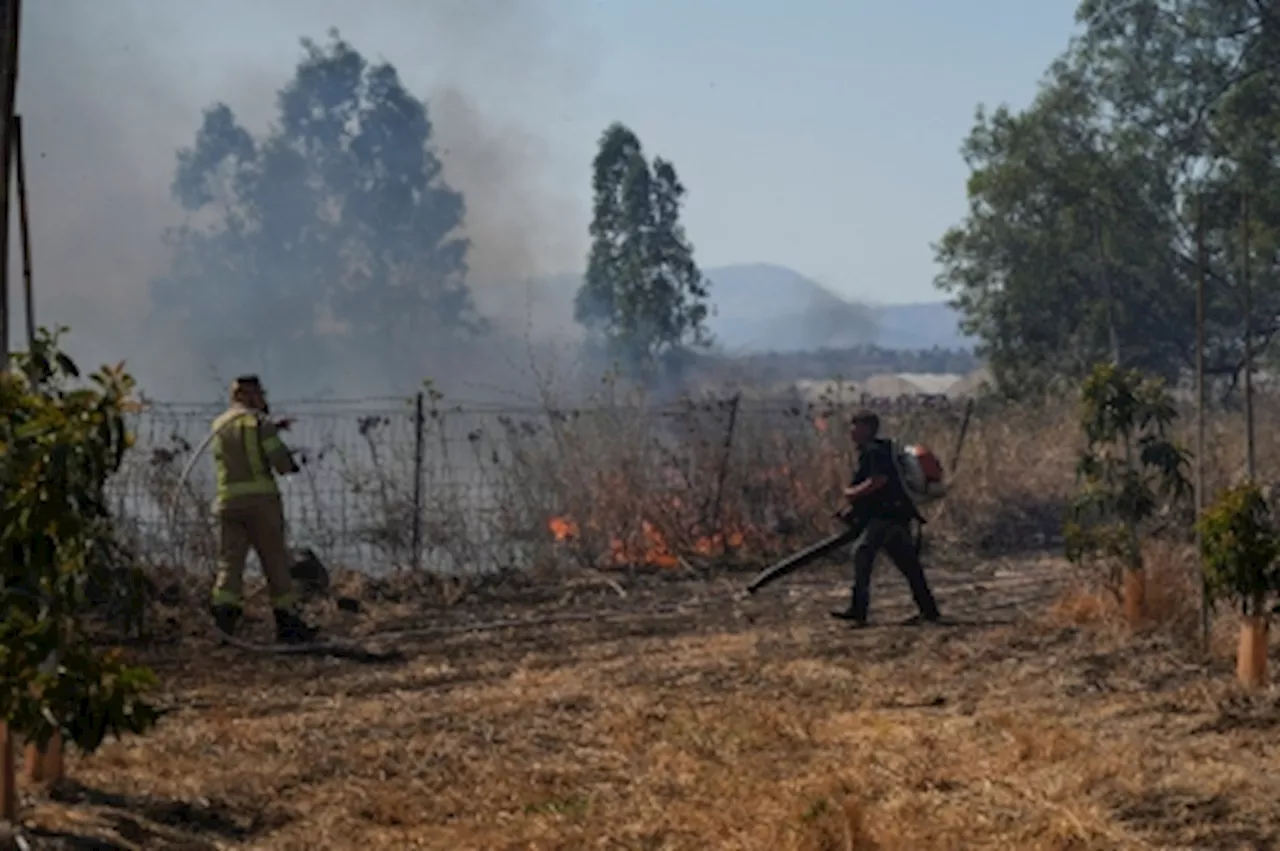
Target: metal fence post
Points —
{"points": [[1201, 397], [725, 460], [419, 443]]}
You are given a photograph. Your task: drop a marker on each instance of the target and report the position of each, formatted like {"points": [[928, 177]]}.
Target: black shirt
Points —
{"points": [[891, 501]]}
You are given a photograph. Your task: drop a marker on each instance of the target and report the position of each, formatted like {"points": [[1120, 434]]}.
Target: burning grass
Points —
{"points": [[703, 486]]}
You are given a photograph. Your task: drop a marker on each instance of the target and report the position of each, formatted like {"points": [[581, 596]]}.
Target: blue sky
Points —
{"points": [[816, 134], [823, 135]]}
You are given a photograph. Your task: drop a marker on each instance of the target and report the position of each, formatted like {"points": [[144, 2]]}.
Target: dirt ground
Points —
{"points": [[677, 717]]}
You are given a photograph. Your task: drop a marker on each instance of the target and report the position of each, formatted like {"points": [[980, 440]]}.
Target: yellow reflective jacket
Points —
{"points": [[245, 450]]}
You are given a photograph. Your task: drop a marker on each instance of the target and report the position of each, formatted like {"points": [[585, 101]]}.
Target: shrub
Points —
{"points": [[1239, 547], [59, 444], [1132, 472]]}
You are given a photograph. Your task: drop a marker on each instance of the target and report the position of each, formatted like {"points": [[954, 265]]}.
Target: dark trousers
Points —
{"points": [[896, 540]]}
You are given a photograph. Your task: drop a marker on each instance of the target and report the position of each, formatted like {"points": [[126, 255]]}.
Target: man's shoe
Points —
{"points": [[851, 617], [918, 620], [291, 629], [226, 618]]}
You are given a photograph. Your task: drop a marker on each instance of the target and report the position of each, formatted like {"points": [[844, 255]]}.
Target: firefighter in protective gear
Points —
{"points": [[248, 453]]}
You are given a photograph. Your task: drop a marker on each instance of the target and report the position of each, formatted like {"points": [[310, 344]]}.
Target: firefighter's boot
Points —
{"points": [[226, 618], [291, 629]]}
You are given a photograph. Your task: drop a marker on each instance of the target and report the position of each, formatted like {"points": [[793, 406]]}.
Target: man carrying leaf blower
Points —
{"points": [[880, 505]]}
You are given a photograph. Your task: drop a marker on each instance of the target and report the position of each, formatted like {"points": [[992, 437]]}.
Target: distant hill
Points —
{"points": [[921, 326], [761, 307]]}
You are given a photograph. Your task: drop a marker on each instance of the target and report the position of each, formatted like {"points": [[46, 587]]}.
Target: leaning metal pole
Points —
{"points": [[24, 231], [9, 12]]}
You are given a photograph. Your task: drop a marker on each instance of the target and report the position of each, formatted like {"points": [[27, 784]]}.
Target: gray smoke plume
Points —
{"points": [[525, 222], [110, 91], [521, 231], [96, 133]]}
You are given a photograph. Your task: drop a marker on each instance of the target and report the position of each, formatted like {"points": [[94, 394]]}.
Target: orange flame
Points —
{"points": [[562, 529], [716, 544], [800, 484], [652, 550]]}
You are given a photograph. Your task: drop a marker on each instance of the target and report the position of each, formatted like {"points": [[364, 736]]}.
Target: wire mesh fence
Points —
{"points": [[391, 484]]}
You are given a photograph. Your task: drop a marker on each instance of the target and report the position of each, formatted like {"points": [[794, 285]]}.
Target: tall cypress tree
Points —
{"points": [[643, 296]]}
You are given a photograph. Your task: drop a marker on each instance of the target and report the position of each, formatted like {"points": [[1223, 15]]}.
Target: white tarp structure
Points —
{"points": [[890, 386]]}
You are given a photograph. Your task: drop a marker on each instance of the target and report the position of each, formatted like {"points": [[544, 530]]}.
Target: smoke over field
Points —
{"points": [[110, 95]]}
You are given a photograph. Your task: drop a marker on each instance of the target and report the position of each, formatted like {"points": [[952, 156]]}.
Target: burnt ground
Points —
{"points": [[679, 717]]}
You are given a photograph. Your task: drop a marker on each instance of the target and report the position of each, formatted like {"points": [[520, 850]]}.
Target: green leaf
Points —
{"points": [[61, 445], [67, 365]]}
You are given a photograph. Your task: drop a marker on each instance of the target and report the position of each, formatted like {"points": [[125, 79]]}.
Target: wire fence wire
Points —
{"points": [[393, 484]]}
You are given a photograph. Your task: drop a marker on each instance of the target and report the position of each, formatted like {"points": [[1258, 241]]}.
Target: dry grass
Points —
{"points": [[1039, 722], [735, 725], [1172, 601]]}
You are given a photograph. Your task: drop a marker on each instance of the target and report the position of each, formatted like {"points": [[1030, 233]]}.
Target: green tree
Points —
{"points": [[59, 443], [334, 233], [1201, 78], [1084, 207], [643, 293], [1132, 472], [1042, 269], [1240, 545]]}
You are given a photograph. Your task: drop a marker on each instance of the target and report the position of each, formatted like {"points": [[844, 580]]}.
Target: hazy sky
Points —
{"points": [[818, 134]]}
